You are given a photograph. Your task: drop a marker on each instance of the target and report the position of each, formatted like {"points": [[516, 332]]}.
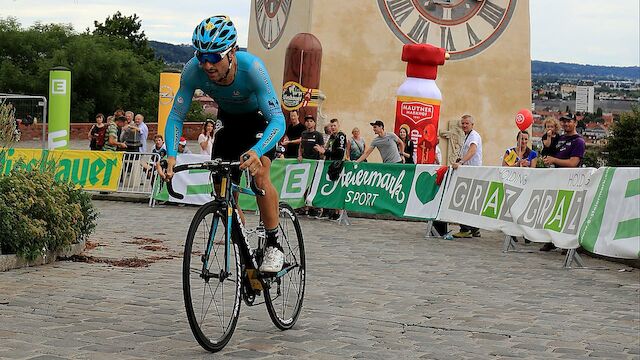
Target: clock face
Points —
{"points": [[271, 18], [463, 27]]}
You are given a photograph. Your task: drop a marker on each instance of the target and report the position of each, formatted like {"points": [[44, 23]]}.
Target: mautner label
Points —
{"points": [[416, 111]]}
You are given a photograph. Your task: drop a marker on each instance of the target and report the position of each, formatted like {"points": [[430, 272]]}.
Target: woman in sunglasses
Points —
{"points": [[248, 107]]}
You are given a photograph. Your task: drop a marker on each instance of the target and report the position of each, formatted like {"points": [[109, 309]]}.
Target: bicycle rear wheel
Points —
{"points": [[211, 295], [284, 293]]}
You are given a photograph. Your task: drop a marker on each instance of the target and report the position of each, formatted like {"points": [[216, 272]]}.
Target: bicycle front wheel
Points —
{"points": [[284, 293], [211, 289]]}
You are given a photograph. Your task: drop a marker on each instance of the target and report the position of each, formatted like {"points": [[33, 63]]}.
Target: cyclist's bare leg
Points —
{"points": [[268, 204]]}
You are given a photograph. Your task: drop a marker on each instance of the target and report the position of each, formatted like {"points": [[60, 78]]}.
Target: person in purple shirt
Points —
{"points": [[570, 148], [569, 153]]}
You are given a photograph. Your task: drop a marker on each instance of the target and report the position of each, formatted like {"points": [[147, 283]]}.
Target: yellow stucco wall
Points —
{"points": [[362, 69]]}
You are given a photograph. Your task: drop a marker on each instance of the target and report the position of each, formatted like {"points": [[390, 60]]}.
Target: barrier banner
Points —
{"points": [[611, 226], [290, 178], [544, 205], [195, 185], [396, 189], [93, 170]]}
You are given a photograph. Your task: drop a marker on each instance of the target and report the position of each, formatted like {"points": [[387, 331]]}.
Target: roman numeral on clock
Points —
{"points": [[400, 10], [285, 5], [473, 38], [446, 39], [492, 13], [420, 31]]}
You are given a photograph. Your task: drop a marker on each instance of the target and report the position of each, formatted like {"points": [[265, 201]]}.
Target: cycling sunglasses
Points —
{"points": [[212, 58]]}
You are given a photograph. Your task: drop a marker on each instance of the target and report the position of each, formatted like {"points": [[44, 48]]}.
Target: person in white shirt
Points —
{"points": [[470, 155], [144, 132], [205, 139]]}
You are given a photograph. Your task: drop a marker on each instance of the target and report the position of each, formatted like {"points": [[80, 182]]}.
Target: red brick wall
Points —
{"points": [[80, 131]]}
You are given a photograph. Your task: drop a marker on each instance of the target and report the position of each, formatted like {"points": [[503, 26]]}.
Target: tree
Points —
{"points": [[599, 112], [106, 71], [623, 146], [128, 28]]}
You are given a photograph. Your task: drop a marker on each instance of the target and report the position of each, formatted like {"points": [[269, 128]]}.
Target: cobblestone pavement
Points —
{"points": [[375, 290]]}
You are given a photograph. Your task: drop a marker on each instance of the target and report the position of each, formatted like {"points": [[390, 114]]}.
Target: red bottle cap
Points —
{"points": [[423, 60]]}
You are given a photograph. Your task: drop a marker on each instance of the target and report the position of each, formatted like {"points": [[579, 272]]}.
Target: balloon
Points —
{"points": [[524, 118]]}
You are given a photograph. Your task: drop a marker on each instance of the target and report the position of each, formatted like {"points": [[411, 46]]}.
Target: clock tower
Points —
{"points": [[488, 75]]}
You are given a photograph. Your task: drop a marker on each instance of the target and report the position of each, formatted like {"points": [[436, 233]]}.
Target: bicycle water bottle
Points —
{"points": [[418, 99]]}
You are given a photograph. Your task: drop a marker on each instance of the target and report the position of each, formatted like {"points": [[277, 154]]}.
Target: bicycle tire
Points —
{"points": [[277, 290], [224, 316]]}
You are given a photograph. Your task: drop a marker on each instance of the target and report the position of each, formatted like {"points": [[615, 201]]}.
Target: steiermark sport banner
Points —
{"points": [[396, 189], [93, 170], [290, 178], [611, 224], [545, 205]]}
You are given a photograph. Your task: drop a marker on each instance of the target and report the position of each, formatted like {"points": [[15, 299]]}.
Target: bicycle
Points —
{"points": [[219, 257]]}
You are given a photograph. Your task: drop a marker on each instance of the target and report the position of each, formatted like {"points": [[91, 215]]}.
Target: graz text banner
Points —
{"points": [[611, 224], [396, 189], [93, 170], [544, 205]]}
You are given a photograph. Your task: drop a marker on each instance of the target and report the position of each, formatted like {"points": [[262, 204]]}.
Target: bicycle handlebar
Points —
{"points": [[208, 165]]}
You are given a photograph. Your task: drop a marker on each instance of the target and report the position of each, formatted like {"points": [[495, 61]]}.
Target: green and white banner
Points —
{"points": [[395, 189], [544, 205], [611, 225], [290, 178]]}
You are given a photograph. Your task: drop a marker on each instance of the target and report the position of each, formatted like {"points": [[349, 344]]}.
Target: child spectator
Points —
{"points": [[550, 137]]}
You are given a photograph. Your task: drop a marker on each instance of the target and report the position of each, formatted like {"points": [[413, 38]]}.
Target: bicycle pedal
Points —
{"points": [[252, 274]]}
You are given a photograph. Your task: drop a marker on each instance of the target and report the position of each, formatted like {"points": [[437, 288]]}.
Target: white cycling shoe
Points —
{"points": [[272, 261]]}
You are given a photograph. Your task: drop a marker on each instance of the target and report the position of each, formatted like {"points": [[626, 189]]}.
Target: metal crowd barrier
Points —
{"points": [[138, 174]]}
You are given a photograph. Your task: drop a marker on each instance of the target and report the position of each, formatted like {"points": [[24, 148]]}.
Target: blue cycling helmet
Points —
{"points": [[214, 35]]}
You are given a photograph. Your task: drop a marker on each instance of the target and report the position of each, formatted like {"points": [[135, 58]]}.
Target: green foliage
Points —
{"points": [[593, 157], [110, 69], [128, 28], [8, 129], [196, 113], [38, 213], [623, 147]]}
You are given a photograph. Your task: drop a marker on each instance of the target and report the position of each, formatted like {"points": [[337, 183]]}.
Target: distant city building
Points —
{"points": [[585, 98], [567, 90]]}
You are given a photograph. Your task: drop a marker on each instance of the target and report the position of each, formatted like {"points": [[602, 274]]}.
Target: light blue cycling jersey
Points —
{"points": [[251, 90]]}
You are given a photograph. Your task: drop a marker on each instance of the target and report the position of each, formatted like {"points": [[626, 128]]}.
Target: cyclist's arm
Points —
{"points": [[269, 105], [181, 104]]}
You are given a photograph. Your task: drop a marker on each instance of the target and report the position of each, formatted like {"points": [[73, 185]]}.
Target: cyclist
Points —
{"points": [[248, 108]]}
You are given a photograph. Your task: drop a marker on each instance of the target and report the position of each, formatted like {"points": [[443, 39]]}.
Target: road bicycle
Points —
{"points": [[220, 265]]}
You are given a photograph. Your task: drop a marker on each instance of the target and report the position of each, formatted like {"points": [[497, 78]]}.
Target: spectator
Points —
{"points": [[205, 139], [356, 146], [292, 137], [522, 155], [309, 139], [471, 155], [182, 146], [159, 146], [407, 154], [129, 116], [571, 146], [550, 137], [130, 135], [113, 134], [438, 159], [334, 150], [144, 132], [326, 134], [307, 150], [97, 133], [387, 144], [569, 153]]}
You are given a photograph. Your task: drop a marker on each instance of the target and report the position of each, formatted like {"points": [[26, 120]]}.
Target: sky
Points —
{"points": [[596, 32]]}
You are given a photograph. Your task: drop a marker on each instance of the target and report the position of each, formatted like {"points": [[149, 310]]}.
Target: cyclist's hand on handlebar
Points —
{"points": [[251, 161], [167, 174]]}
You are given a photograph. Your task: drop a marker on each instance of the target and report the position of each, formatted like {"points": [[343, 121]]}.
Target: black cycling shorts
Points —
{"points": [[239, 133]]}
